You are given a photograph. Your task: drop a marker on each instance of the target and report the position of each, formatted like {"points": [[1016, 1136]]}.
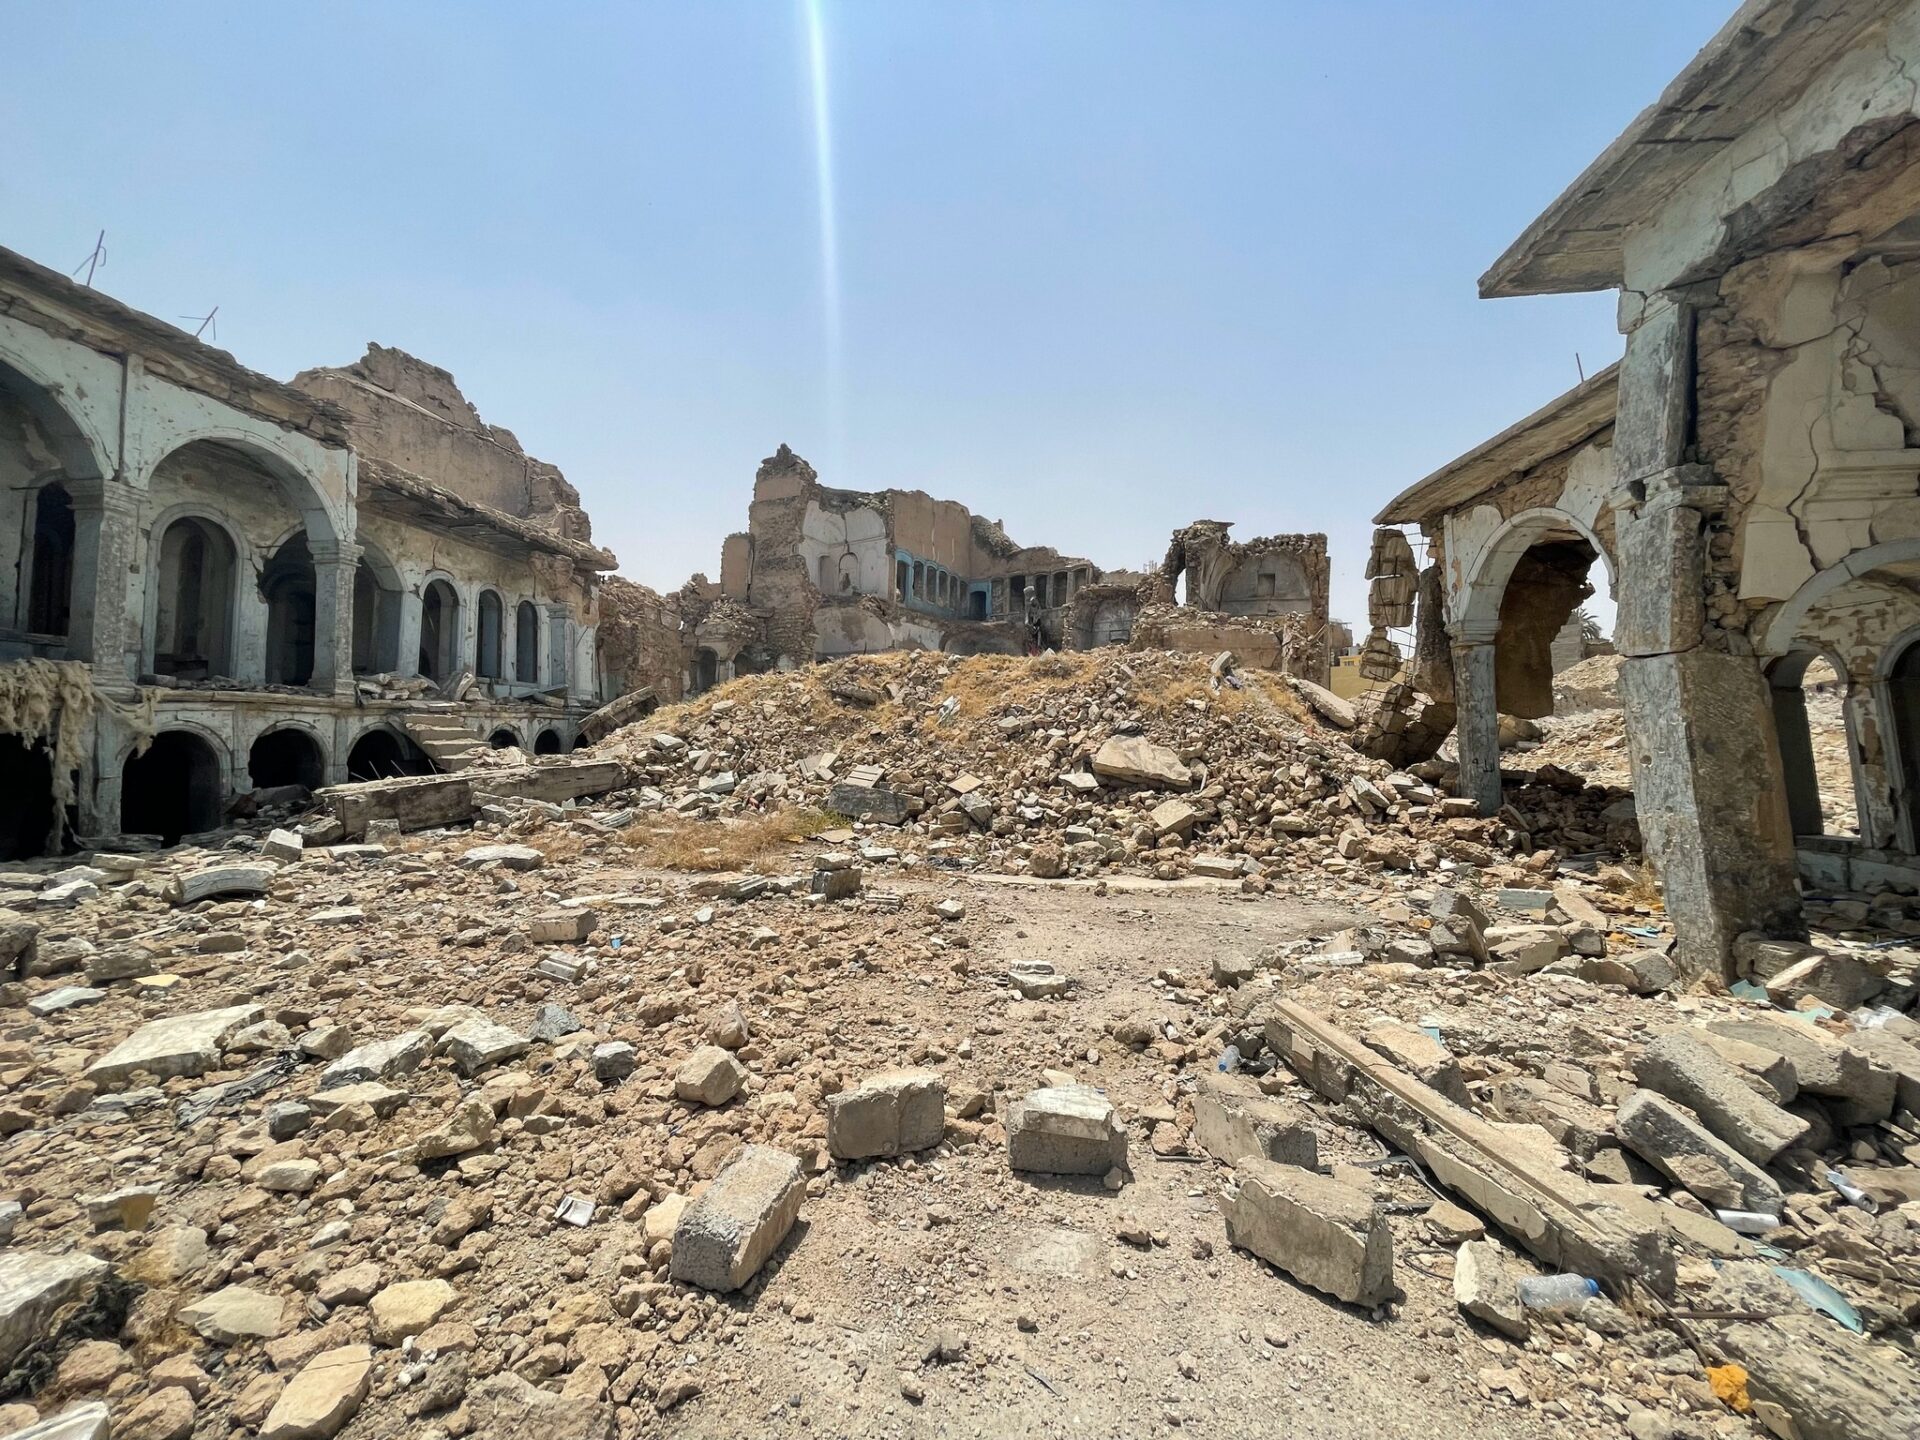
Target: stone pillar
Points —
{"points": [[106, 546], [1708, 785], [334, 563], [1477, 728], [407, 661], [559, 648]]}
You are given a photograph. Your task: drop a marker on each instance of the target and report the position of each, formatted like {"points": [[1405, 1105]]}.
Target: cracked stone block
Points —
{"points": [[1685, 1151], [892, 1113], [1232, 1120], [1065, 1130], [1684, 1069], [1323, 1233], [387, 1059], [723, 1238], [34, 1285], [177, 1045]]}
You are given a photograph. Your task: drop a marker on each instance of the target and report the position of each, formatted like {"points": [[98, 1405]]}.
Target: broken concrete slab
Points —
{"points": [[176, 1045], [1570, 1223], [326, 1393], [1673, 1141], [1321, 1232], [1232, 1120], [1136, 760], [90, 1420], [1037, 980], [235, 1313], [1065, 1130], [1860, 1090], [425, 802], [204, 884], [725, 1236], [476, 1044], [892, 1113], [1420, 1055], [1486, 1285], [33, 1286], [1685, 1069], [1584, 1129], [868, 802], [386, 1059], [1835, 979]]}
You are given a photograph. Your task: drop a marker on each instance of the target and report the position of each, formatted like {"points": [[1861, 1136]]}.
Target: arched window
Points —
{"points": [[492, 624], [439, 631], [376, 617], [526, 643], [287, 585], [194, 621], [50, 601]]}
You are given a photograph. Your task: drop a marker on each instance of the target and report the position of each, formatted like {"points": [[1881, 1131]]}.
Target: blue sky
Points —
{"points": [[1103, 267]]}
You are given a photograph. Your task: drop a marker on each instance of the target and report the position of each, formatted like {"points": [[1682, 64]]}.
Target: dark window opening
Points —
{"points": [[492, 619], [382, 754], [193, 628], [526, 643], [547, 742], [27, 819], [50, 600], [286, 757], [503, 739], [439, 631], [376, 623], [287, 585], [173, 790]]}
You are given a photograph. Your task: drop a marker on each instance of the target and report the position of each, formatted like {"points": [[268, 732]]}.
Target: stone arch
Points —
{"points": [[211, 621], [289, 753], [441, 628], [177, 786], [273, 454], [1793, 734], [547, 742], [381, 752], [526, 643], [1485, 585], [84, 451], [1780, 630], [504, 737]]}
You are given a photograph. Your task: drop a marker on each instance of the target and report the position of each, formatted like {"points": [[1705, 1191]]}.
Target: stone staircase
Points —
{"points": [[449, 744]]}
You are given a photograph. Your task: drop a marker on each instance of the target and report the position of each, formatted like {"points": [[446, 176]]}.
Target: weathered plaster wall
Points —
{"points": [[853, 544]]}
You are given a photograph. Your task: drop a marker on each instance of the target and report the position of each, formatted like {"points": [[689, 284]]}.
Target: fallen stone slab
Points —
{"points": [[90, 1420], [1584, 1129], [892, 1113], [1420, 1055], [425, 802], [407, 1307], [1884, 1047], [1328, 706], [562, 927], [1833, 979], [33, 1286], [1669, 1137], [67, 997], [1860, 1091], [233, 1314], [1570, 1223], [1065, 1130], [476, 1044], [1232, 1120], [506, 1407], [725, 1236], [507, 857], [326, 1393], [1685, 1069], [868, 802], [1323, 1233], [1644, 972], [387, 1059], [378, 1098], [1770, 1074], [1486, 1285], [1806, 1376], [177, 1045], [1037, 980], [1136, 760], [204, 884]]}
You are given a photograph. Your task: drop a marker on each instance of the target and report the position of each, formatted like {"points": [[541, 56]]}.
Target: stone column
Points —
{"points": [[1708, 784], [407, 661], [106, 547], [1477, 728], [334, 563], [559, 648]]}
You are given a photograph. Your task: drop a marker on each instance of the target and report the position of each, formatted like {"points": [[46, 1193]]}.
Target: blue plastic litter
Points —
{"points": [[1821, 1296]]}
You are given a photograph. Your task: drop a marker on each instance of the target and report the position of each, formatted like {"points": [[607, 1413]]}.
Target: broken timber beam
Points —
{"points": [[1568, 1222]]}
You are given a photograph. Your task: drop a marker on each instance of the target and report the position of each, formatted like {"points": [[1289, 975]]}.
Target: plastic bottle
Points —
{"points": [[1556, 1292], [1230, 1059]]}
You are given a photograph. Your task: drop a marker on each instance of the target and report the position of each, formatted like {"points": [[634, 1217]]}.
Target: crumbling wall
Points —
{"points": [[640, 641], [412, 414], [1547, 585]]}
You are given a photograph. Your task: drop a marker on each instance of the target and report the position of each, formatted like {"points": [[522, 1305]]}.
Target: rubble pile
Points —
{"points": [[1080, 764]]}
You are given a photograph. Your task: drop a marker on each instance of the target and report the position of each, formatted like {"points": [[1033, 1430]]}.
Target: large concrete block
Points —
{"points": [[177, 1045], [1136, 760], [1685, 1069], [1859, 1090], [1323, 1233], [1669, 1138], [726, 1235], [1418, 1053], [1232, 1120], [887, 1114], [1065, 1130], [34, 1285]]}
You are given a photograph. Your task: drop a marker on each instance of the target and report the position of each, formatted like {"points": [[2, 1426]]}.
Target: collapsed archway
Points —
{"points": [[382, 754], [27, 819], [173, 790], [503, 739], [288, 756]]}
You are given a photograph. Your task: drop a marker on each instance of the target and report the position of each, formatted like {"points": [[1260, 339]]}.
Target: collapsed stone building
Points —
{"points": [[213, 582], [821, 573], [1747, 477]]}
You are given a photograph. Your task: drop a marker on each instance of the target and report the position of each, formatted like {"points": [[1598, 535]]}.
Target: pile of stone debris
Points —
{"points": [[1078, 764]]}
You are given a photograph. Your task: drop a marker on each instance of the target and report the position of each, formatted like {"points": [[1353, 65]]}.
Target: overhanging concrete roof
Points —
{"points": [[1769, 52], [1554, 428]]}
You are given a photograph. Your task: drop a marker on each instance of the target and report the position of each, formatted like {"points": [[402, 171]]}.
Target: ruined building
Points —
{"points": [[212, 582], [820, 573], [1748, 475]]}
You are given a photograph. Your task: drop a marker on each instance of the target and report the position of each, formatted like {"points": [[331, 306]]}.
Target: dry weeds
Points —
{"points": [[753, 842]]}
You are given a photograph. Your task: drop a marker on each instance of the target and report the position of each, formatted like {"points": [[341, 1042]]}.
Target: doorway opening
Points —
{"points": [[173, 790], [286, 757]]}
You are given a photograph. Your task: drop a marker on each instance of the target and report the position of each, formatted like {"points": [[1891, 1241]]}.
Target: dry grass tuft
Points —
{"points": [[754, 842]]}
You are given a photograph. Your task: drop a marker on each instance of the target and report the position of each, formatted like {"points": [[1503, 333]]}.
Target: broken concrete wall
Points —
{"points": [[412, 414], [641, 644]]}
